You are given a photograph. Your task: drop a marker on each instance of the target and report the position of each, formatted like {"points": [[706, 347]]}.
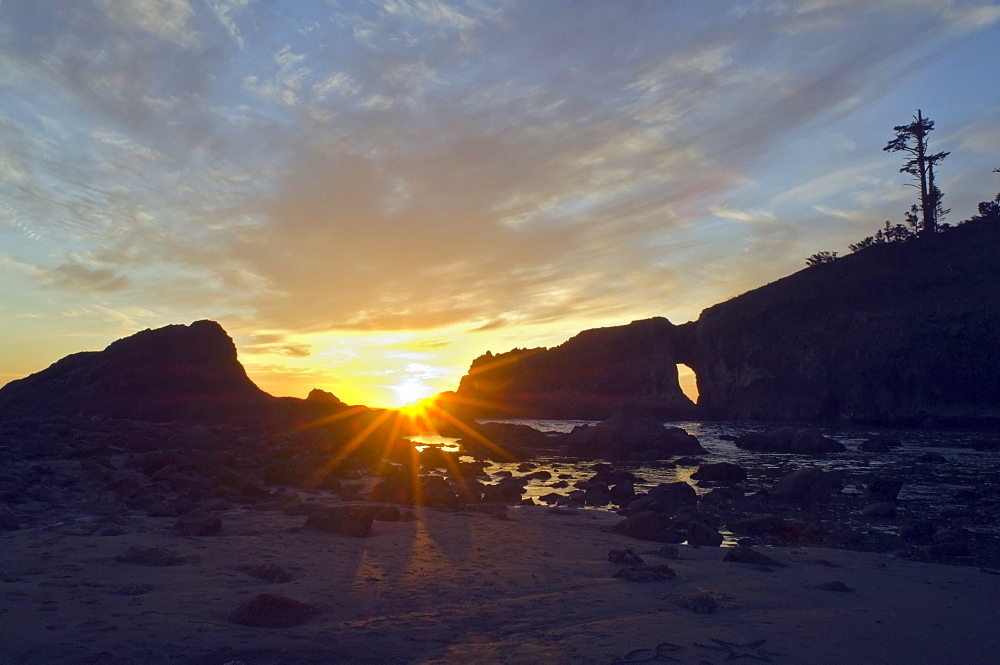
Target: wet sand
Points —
{"points": [[531, 585]]}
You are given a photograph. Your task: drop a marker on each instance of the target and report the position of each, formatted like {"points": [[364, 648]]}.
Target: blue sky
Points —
{"points": [[370, 193]]}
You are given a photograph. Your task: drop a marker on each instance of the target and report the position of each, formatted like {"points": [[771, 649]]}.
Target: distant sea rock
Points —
{"points": [[175, 373]]}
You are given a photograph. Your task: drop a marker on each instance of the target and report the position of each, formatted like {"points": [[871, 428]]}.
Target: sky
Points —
{"points": [[368, 195]]}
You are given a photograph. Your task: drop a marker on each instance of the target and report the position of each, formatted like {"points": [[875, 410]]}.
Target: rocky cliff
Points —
{"points": [[173, 373], [897, 334], [588, 376], [900, 334]]}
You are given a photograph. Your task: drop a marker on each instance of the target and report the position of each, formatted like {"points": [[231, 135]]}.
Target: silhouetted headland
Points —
{"points": [[897, 334]]}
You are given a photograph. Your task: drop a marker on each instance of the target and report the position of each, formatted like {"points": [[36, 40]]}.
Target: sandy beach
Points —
{"points": [[525, 585]]}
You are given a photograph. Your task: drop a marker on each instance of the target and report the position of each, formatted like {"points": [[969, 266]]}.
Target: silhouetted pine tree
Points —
{"points": [[912, 139]]}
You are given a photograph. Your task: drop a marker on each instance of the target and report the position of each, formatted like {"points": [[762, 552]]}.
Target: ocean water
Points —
{"points": [[968, 480]]}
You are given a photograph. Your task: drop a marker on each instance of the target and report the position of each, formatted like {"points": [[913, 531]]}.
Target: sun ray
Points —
{"points": [[356, 441]]}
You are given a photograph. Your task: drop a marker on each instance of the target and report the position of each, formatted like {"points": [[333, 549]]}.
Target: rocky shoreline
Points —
{"points": [[109, 471], [128, 542]]}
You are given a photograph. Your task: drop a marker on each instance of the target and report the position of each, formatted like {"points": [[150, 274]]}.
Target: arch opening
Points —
{"points": [[688, 381]]}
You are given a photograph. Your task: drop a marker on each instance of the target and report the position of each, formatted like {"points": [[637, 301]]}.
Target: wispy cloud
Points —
{"points": [[421, 164]]}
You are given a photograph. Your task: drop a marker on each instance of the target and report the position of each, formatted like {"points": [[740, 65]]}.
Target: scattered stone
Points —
{"points": [[626, 556], [151, 556], [268, 610], [647, 573]]}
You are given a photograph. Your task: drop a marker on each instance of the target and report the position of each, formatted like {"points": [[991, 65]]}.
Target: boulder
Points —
{"points": [[880, 443], [699, 602], [882, 509], [751, 556], [435, 491], [918, 531], [623, 492], [721, 472], [806, 486], [665, 498], [506, 490], [702, 534], [882, 490], [269, 572], [353, 520], [656, 573], [198, 523], [627, 435], [151, 556], [652, 525], [269, 610], [393, 490], [790, 440]]}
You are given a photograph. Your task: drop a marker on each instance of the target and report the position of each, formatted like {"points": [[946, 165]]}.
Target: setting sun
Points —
{"points": [[411, 391]]}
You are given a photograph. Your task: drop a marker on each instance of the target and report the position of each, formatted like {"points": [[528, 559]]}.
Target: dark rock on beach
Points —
{"points": [[665, 498], [352, 520], [882, 490], [806, 486], [629, 436], [790, 440], [268, 610], [269, 572], [652, 525], [751, 556], [656, 573], [722, 472], [198, 524], [152, 556]]}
